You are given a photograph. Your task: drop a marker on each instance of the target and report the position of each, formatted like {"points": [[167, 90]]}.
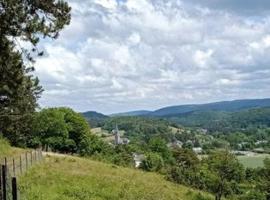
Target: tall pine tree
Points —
{"points": [[26, 20]]}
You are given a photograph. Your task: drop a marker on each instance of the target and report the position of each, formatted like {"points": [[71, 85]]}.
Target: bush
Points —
{"points": [[152, 162]]}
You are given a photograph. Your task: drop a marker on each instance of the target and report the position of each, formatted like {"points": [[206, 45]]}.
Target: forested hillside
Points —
{"points": [[225, 121], [225, 106], [95, 119], [140, 127]]}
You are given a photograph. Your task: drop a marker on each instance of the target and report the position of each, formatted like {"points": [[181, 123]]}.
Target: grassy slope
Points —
{"points": [[70, 178], [7, 151]]}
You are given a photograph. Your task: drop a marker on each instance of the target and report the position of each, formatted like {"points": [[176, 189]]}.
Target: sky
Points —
{"points": [[122, 55]]}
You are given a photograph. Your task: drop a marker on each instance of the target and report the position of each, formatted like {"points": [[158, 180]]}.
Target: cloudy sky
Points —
{"points": [[121, 55]]}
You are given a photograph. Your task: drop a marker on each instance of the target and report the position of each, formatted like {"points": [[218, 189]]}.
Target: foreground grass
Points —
{"points": [[70, 178]]}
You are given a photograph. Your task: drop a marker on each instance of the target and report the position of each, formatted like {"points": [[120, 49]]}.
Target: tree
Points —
{"points": [[158, 145], [186, 168], [61, 129], [92, 144], [186, 158], [153, 162], [18, 95], [265, 181], [221, 172], [29, 20], [19, 89]]}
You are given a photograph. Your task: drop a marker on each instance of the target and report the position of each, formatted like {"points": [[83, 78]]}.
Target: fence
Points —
{"points": [[11, 168]]}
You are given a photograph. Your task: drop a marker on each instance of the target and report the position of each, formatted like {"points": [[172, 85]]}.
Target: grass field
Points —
{"points": [[70, 178], [6, 150], [253, 161]]}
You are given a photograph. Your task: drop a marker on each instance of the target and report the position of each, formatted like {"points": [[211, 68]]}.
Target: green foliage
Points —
{"points": [[30, 19], [158, 145], [19, 89], [19, 92], [61, 129], [140, 128], [152, 162], [252, 195], [225, 122], [185, 170], [95, 119], [265, 179], [91, 145], [186, 158], [222, 172], [219, 173]]}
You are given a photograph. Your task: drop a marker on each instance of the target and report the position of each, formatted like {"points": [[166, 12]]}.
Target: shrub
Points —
{"points": [[152, 162]]}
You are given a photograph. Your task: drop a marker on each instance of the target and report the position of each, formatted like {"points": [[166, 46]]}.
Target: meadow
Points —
{"points": [[253, 161], [70, 178]]}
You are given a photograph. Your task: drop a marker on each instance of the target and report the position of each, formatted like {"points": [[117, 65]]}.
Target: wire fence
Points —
{"points": [[11, 168]]}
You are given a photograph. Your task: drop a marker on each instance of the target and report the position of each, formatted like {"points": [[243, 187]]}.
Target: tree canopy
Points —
{"points": [[61, 129], [28, 21]]}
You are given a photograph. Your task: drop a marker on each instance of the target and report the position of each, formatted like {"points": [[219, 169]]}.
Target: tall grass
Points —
{"points": [[73, 178], [4, 147], [7, 151]]}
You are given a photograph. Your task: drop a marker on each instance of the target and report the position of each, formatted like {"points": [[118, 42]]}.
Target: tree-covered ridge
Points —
{"points": [[225, 121], [95, 119], [223, 106]]}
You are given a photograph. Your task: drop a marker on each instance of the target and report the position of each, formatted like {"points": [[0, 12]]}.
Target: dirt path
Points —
{"points": [[56, 154]]}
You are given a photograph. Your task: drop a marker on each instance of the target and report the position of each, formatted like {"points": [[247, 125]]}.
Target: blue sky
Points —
{"points": [[145, 54]]}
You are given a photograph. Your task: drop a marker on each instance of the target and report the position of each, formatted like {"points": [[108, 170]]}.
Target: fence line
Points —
{"points": [[11, 168]]}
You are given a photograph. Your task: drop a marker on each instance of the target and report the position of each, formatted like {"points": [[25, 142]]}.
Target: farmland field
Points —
{"points": [[254, 160]]}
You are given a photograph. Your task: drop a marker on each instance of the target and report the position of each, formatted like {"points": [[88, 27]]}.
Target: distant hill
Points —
{"points": [[95, 119], [132, 113], [225, 115], [224, 106], [223, 121]]}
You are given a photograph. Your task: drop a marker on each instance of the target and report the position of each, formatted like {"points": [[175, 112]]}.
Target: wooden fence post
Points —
{"points": [[1, 194], [35, 157], [4, 182], [26, 161], [14, 189], [21, 164], [14, 167], [31, 158], [6, 163]]}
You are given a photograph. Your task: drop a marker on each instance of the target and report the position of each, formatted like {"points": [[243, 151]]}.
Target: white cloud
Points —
{"points": [[142, 54], [109, 4], [202, 58]]}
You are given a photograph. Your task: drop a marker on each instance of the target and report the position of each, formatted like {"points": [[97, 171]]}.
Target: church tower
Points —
{"points": [[117, 136]]}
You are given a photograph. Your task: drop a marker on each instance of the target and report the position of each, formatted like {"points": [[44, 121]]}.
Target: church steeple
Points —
{"points": [[117, 135]]}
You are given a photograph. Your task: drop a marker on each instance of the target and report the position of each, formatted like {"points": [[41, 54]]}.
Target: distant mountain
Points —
{"points": [[95, 119], [132, 113], [224, 106]]}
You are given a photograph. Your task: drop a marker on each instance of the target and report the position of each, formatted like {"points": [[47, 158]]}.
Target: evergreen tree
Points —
{"points": [[26, 20]]}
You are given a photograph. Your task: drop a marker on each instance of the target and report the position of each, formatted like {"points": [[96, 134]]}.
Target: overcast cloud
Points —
{"points": [[141, 54]]}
